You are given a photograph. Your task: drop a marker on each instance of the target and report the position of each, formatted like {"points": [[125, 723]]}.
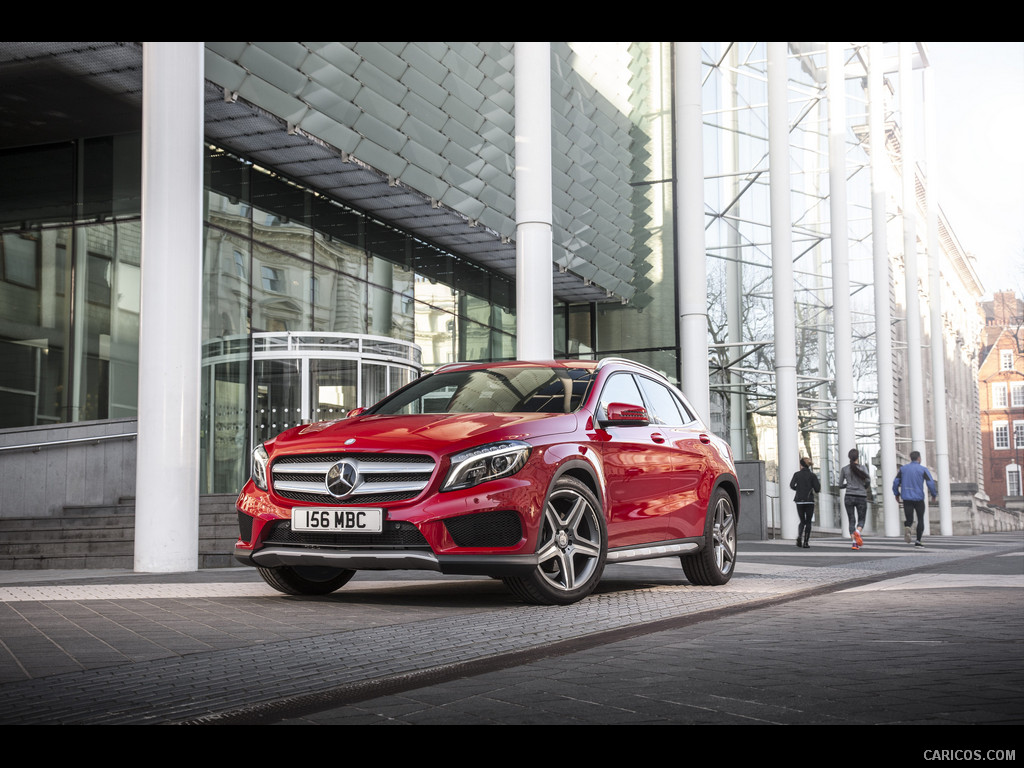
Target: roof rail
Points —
{"points": [[604, 360], [462, 363]]}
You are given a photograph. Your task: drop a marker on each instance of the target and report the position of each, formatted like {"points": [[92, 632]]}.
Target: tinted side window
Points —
{"points": [[662, 404], [684, 408]]}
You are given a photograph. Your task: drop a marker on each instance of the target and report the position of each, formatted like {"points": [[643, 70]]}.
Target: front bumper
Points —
{"points": [[488, 530], [377, 560]]}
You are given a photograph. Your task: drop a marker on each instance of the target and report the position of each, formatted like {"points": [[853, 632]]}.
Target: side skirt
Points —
{"points": [[654, 549]]}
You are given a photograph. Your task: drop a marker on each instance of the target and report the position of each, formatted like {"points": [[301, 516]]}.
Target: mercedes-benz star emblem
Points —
{"points": [[342, 478]]}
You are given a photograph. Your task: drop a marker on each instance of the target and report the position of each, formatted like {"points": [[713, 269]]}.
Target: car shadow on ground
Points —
{"points": [[430, 591]]}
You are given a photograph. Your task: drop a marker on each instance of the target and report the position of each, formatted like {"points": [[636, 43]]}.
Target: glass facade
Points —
{"points": [[278, 259], [69, 281], [320, 289], [282, 259], [645, 327]]}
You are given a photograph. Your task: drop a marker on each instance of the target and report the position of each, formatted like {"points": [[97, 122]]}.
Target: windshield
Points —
{"points": [[493, 390]]}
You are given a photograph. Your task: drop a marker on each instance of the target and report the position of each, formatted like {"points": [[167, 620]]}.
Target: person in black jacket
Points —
{"points": [[806, 484]]}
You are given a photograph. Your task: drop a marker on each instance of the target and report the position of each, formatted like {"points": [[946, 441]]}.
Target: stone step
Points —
{"points": [[104, 537]]}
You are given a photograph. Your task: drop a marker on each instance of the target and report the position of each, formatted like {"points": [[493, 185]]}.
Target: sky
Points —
{"points": [[979, 108]]}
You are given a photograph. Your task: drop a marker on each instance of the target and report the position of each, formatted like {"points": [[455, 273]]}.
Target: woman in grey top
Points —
{"points": [[855, 479]]}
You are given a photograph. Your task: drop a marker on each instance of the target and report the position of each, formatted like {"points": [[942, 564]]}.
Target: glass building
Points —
{"points": [[359, 226]]}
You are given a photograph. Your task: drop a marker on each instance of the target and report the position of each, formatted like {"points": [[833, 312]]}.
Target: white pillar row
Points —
{"points": [[167, 475], [534, 290], [841, 319], [882, 286], [938, 347], [691, 274], [783, 297]]}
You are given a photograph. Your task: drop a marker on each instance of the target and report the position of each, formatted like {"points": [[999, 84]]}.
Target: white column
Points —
{"points": [[730, 205], [691, 275], [167, 477], [534, 291], [841, 322], [915, 364], [882, 287], [782, 282], [938, 345], [915, 368]]}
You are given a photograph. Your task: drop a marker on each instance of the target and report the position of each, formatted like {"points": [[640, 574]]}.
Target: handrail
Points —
{"points": [[36, 447]]}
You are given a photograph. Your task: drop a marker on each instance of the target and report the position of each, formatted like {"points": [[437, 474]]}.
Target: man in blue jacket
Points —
{"points": [[909, 488]]}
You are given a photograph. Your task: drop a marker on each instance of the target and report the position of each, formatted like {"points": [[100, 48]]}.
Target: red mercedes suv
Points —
{"points": [[537, 473]]}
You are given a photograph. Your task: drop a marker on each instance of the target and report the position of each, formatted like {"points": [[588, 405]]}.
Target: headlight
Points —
{"points": [[487, 462], [259, 467]]}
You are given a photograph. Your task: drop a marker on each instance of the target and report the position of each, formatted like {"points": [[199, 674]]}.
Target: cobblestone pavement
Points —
{"points": [[826, 635]]}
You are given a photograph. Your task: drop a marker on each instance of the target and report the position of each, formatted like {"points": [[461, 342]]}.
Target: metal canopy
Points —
{"points": [[61, 91]]}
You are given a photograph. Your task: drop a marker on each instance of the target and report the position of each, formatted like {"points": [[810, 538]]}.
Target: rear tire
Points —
{"points": [[305, 579], [715, 563]]}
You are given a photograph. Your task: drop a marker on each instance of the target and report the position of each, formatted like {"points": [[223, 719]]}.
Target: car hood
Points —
{"points": [[431, 433]]}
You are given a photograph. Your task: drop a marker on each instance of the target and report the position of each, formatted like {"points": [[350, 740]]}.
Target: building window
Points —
{"points": [[1013, 480], [999, 395], [240, 264], [1017, 394], [19, 259], [99, 280], [1006, 359], [1018, 434], [1001, 433], [273, 280]]}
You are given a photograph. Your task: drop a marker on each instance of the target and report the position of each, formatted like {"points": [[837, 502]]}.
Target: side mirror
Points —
{"points": [[355, 412], [625, 415]]}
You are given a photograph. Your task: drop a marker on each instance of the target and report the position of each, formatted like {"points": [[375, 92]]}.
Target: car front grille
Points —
{"points": [[383, 477]]}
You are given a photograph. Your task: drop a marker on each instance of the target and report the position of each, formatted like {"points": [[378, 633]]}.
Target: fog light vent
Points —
{"points": [[486, 529]]}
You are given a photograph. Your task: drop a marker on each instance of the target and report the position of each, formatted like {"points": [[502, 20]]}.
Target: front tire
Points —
{"points": [[715, 563], [571, 548], [305, 579]]}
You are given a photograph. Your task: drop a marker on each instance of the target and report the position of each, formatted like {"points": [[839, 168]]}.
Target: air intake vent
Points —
{"points": [[486, 529]]}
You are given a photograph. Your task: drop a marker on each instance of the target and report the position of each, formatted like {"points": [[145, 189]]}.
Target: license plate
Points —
{"points": [[352, 520]]}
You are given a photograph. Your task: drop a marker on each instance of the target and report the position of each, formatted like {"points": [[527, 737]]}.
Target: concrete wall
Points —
{"points": [[972, 516], [72, 505], [41, 481]]}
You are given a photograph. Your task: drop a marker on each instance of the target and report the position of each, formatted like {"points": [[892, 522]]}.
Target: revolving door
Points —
{"points": [[256, 387]]}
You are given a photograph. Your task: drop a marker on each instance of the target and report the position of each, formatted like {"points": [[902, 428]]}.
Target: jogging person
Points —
{"points": [[909, 488]]}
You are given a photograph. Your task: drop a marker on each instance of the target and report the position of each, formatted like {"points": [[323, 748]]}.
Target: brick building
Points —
{"points": [[1001, 389]]}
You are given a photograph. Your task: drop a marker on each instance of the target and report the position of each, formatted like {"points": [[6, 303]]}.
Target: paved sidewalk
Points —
{"points": [[89, 647], [931, 648]]}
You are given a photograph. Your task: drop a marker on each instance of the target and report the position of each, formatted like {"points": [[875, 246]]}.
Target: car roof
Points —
{"points": [[594, 365], [585, 364]]}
